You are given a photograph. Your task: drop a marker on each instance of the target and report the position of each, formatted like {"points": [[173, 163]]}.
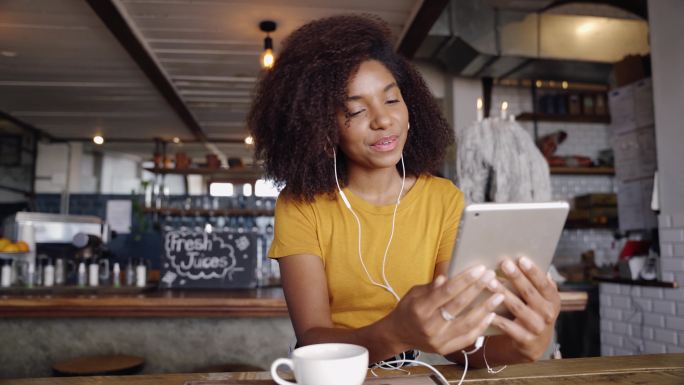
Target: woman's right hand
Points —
{"points": [[432, 318]]}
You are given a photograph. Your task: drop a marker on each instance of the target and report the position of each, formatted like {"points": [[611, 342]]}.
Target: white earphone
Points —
{"points": [[387, 285]]}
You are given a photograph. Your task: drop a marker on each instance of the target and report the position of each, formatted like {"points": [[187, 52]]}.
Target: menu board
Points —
{"points": [[198, 259]]}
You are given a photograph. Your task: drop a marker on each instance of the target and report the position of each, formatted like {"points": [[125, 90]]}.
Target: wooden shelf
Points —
{"points": [[582, 170], [240, 175], [529, 116], [580, 224], [76, 290], [640, 282], [210, 212]]}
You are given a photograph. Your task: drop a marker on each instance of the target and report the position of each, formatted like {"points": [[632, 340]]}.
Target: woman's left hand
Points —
{"points": [[535, 309]]}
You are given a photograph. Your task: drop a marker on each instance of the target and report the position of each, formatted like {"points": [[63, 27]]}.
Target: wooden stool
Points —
{"points": [[99, 365]]}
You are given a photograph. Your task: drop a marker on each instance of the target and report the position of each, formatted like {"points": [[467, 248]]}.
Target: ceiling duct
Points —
{"points": [[511, 39]]}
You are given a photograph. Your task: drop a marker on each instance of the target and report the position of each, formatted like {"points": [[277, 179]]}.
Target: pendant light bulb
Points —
{"points": [[267, 58]]}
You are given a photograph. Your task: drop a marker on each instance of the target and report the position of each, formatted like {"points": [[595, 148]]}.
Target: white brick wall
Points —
{"points": [[645, 320], [583, 139]]}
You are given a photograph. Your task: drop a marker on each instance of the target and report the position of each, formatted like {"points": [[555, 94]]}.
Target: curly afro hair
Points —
{"points": [[293, 116]]}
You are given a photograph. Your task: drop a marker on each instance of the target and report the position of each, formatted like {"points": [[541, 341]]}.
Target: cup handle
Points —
{"points": [[274, 370]]}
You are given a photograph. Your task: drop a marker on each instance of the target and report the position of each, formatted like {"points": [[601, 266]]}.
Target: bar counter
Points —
{"points": [[263, 302], [662, 369], [174, 331]]}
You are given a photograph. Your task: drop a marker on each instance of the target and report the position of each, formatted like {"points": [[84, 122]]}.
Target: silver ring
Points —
{"points": [[446, 315]]}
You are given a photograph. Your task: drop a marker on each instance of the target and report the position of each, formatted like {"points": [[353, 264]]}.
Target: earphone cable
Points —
{"points": [[394, 216], [387, 286]]}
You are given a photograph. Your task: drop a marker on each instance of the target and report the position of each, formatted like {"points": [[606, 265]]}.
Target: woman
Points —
{"points": [[363, 231]]}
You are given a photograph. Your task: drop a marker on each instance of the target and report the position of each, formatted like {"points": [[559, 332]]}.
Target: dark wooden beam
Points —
{"points": [[118, 26], [425, 18], [21, 123]]}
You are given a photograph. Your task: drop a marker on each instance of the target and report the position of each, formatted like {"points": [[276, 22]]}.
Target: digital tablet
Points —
{"points": [[491, 232]]}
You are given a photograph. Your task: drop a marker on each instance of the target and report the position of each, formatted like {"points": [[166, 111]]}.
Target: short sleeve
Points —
{"points": [[295, 229], [454, 208]]}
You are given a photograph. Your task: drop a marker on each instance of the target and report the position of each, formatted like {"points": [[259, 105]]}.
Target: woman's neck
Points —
{"points": [[379, 186]]}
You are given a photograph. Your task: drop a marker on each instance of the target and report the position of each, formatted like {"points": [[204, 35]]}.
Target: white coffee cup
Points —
{"points": [[329, 364]]}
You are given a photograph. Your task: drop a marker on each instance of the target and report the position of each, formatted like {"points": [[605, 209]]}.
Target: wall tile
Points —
{"points": [[606, 326], [666, 336], [664, 221], [654, 347], [674, 322], [612, 339], [611, 314], [647, 333], [680, 311], [622, 302], [664, 307], [667, 250], [675, 294], [607, 350], [672, 235], [620, 328], [678, 250], [646, 304], [652, 292], [605, 300], [675, 264], [622, 352], [678, 220], [610, 288], [656, 320]]}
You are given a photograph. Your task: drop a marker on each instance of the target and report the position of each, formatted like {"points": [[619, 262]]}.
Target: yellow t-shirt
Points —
{"points": [[425, 231]]}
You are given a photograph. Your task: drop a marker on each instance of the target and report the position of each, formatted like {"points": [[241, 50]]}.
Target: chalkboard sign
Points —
{"points": [[197, 259]]}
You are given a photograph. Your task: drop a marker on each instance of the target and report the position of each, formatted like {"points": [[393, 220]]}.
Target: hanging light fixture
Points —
{"points": [[267, 59]]}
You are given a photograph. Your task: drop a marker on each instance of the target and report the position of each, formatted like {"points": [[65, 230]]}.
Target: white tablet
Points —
{"points": [[490, 232]]}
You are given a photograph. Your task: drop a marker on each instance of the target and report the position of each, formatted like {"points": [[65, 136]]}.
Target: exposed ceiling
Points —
{"points": [[66, 69], [544, 39], [63, 71]]}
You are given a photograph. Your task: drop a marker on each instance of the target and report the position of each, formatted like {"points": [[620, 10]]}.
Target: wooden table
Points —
{"points": [[265, 302], [661, 369]]}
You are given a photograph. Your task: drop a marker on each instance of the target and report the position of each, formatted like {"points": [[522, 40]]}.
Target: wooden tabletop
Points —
{"points": [[263, 302], [661, 369]]}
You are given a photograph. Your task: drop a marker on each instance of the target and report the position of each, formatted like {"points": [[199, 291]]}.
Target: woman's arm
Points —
{"points": [[416, 322]]}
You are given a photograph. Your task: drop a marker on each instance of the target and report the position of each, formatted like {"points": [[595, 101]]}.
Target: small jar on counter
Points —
{"points": [[48, 272], [5, 272], [141, 273]]}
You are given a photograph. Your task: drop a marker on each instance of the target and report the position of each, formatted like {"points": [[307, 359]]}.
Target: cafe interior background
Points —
{"points": [[124, 157]]}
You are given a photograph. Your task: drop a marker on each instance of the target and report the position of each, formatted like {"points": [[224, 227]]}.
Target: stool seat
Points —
{"points": [[99, 365]]}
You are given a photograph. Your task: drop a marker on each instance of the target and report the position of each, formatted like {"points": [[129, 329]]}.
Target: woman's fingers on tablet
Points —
{"points": [[546, 287], [527, 290], [464, 329], [466, 337], [469, 294], [515, 330], [444, 290], [531, 319]]}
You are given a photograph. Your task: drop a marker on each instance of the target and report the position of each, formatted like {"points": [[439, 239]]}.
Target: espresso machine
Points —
{"points": [[59, 239]]}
